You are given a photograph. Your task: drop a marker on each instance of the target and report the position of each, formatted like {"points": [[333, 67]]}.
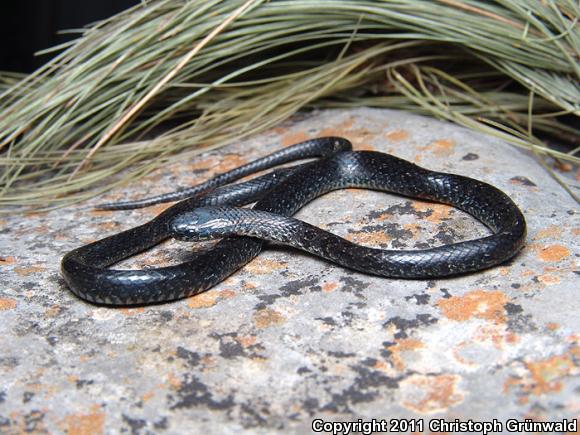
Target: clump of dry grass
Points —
{"points": [[168, 77], [9, 79]]}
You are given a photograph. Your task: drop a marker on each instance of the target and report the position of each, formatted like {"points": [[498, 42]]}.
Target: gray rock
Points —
{"points": [[290, 337]]}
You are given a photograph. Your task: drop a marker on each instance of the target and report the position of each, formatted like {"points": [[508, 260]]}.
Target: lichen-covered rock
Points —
{"points": [[290, 337]]}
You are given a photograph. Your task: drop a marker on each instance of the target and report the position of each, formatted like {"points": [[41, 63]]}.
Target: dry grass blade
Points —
{"points": [[171, 77], [159, 85]]}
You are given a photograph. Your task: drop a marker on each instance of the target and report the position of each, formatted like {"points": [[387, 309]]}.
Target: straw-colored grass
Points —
{"points": [[9, 79], [169, 77]]}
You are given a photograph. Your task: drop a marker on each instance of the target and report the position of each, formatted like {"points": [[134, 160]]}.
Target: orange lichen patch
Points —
{"points": [[208, 361], [576, 232], [249, 285], [355, 191], [227, 294], [439, 211], [371, 238], [275, 130], [383, 217], [463, 359], [528, 273], [268, 317], [107, 226], [246, 341], [343, 129], [510, 383], [365, 147], [414, 228], [25, 271], [95, 212], [496, 334], [441, 147], [85, 424], [218, 164], [361, 137], [381, 365], [553, 253], [35, 214], [534, 247], [547, 374], [478, 303], [262, 266], [27, 422], [503, 271], [397, 135], [552, 326], [552, 231], [563, 166], [511, 338], [7, 304], [202, 164], [131, 311], [231, 281], [556, 269], [53, 311], [6, 261], [520, 181], [398, 350], [61, 235], [431, 394], [173, 381], [157, 175], [203, 300], [294, 138], [329, 287], [549, 279], [147, 396]]}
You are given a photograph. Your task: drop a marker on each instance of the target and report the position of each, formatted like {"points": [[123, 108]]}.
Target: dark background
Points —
{"points": [[27, 26]]}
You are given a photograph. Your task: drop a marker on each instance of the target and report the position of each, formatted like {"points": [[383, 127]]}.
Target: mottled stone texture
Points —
{"points": [[290, 337]]}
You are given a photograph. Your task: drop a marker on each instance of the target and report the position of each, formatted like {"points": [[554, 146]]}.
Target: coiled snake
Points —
{"points": [[212, 210]]}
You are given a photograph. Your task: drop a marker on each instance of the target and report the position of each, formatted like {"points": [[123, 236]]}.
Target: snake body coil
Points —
{"points": [[214, 212]]}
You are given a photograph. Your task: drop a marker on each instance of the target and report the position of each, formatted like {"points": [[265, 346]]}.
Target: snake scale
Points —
{"points": [[214, 210]]}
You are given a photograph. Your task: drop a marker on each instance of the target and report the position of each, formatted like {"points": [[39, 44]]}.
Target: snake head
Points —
{"points": [[203, 223]]}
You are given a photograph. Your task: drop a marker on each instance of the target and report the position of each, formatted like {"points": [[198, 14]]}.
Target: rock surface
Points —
{"points": [[291, 338]]}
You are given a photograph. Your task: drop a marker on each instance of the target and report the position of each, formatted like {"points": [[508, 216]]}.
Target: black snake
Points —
{"points": [[212, 210]]}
